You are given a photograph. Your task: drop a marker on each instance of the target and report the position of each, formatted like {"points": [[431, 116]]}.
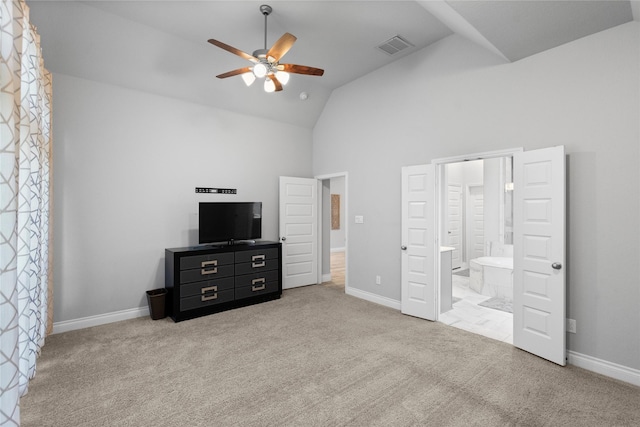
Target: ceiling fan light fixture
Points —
{"points": [[248, 78], [269, 85], [283, 77], [260, 70]]}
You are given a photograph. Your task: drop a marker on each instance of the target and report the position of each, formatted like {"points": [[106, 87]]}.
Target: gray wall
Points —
{"points": [[455, 98], [126, 164]]}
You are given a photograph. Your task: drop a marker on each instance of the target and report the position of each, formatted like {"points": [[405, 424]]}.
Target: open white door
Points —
{"points": [[299, 231], [418, 283], [539, 253]]}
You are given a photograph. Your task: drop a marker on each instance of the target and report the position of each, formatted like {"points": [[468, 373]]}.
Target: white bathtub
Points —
{"points": [[492, 276]]}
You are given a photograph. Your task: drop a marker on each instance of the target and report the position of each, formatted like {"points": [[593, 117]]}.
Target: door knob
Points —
{"points": [[283, 238], [404, 248], [556, 266]]}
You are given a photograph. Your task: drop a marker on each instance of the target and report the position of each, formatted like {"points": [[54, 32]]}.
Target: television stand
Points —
{"points": [[204, 280]]}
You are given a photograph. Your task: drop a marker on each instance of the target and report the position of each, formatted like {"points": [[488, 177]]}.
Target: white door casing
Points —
{"points": [[299, 231], [539, 253], [418, 288]]}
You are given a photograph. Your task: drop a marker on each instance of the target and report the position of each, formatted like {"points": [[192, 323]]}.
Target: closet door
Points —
{"points": [[454, 223]]}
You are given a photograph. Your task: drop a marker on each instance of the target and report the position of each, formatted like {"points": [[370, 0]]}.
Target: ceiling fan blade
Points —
{"points": [[233, 50], [281, 46], [276, 82], [234, 72], [301, 69]]}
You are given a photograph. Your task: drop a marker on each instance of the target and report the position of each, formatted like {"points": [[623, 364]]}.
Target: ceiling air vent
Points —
{"points": [[394, 45]]}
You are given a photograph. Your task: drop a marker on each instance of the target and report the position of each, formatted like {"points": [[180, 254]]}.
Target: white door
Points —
{"points": [[418, 284], [299, 231], [539, 253], [454, 224], [475, 218]]}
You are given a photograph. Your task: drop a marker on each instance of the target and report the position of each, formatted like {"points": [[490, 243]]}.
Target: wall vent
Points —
{"points": [[394, 45]]}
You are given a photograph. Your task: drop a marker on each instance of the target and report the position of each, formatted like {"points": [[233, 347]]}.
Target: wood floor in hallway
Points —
{"points": [[337, 271]]}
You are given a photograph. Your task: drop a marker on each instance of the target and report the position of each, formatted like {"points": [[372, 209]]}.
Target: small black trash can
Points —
{"points": [[157, 300]]}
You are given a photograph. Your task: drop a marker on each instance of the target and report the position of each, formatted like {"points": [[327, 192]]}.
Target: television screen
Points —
{"points": [[228, 221]]}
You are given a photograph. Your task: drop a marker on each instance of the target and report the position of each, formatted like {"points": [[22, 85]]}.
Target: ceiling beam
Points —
{"points": [[452, 19], [635, 9]]}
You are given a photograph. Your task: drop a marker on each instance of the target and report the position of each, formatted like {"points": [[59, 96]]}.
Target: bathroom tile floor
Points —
{"points": [[468, 315]]}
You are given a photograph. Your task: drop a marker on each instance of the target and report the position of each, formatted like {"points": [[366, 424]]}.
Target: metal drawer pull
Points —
{"points": [[259, 280], [208, 263], [258, 288], [258, 264], [209, 298], [257, 257]]}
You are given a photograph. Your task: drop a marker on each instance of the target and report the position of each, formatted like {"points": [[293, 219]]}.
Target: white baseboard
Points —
{"points": [[100, 319], [609, 369], [337, 249], [326, 277], [368, 296]]}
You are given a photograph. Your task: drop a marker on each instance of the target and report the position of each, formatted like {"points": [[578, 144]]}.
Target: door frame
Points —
{"points": [[321, 218], [440, 199]]}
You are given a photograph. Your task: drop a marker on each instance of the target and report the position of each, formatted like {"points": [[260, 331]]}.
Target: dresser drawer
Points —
{"points": [[199, 274], [257, 266], [207, 287], [253, 290], [257, 278], [206, 262], [210, 298], [256, 255]]}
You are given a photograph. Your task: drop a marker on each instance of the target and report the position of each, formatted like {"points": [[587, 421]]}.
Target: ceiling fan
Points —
{"points": [[266, 62]]}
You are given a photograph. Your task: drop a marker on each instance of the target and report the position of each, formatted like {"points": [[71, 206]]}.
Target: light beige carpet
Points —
{"points": [[315, 357]]}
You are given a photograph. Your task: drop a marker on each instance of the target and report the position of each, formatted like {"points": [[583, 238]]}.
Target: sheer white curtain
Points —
{"points": [[25, 162]]}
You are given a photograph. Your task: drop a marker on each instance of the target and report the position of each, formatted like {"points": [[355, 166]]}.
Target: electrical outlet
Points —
{"points": [[359, 219], [571, 326], [378, 280]]}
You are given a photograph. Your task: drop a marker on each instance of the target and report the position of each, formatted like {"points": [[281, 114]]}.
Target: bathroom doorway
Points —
{"points": [[476, 229], [537, 252]]}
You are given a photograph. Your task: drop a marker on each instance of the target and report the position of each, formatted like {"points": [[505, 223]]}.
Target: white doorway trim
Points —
{"points": [[345, 221], [439, 199]]}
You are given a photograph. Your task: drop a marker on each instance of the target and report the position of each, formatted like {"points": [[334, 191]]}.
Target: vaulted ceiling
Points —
{"points": [[161, 46]]}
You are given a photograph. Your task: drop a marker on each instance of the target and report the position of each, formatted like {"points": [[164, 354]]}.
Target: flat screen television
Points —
{"points": [[229, 221]]}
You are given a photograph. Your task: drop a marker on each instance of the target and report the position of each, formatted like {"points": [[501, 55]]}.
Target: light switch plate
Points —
{"points": [[359, 219]]}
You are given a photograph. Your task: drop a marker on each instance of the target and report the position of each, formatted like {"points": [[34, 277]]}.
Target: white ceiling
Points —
{"points": [[160, 46]]}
